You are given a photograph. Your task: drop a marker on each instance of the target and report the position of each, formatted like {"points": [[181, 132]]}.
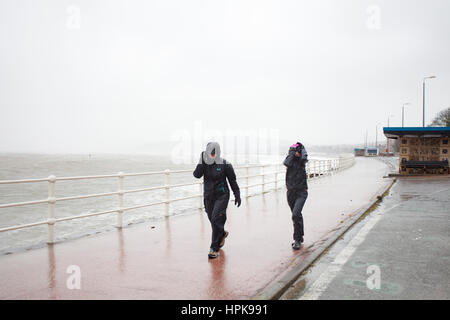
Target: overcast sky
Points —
{"points": [[92, 76]]}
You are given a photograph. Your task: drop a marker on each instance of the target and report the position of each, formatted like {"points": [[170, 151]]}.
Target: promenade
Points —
{"points": [[399, 251], [167, 259]]}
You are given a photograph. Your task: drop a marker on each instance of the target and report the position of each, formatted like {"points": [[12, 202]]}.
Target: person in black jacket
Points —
{"points": [[216, 194], [297, 188]]}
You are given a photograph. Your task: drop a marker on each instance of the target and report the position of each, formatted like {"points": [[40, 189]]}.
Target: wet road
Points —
{"points": [[400, 251], [168, 259]]}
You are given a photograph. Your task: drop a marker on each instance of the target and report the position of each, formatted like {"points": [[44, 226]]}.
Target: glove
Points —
{"points": [[296, 147], [237, 201]]}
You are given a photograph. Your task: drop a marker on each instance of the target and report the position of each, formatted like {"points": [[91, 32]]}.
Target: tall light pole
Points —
{"points": [[387, 139], [376, 136], [390, 116], [403, 113], [423, 98], [365, 144]]}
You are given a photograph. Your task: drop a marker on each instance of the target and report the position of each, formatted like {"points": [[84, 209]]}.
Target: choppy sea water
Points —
{"points": [[26, 166]]}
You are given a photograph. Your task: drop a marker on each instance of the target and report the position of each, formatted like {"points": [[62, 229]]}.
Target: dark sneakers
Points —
{"points": [[297, 244], [213, 254], [225, 234]]}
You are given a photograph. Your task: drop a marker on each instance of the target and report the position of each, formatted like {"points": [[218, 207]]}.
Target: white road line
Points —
{"points": [[321, 284], [439, 191]]}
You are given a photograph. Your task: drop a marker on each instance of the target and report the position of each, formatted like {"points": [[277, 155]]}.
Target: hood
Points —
{"points": [[304, 153], [209, 148]]}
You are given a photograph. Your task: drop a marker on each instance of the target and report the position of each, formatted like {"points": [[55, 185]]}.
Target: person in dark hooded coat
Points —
{"points": [[297, 188], [216, 193]]}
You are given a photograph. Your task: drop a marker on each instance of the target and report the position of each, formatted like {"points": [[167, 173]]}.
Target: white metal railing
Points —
{"points": [[314, 169]]}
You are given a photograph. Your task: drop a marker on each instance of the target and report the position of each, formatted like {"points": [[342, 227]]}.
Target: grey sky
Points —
{"points": [[136, 71]]}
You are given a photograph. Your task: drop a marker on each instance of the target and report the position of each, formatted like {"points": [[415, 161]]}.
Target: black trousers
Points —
{"points": [[296, 200], [216, 207]]}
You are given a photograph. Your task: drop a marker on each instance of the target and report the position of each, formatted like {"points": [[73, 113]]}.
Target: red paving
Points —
{"points": [[170, 260]]}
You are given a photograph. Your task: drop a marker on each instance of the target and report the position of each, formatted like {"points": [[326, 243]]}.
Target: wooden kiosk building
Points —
{"points": [[423, 150]]}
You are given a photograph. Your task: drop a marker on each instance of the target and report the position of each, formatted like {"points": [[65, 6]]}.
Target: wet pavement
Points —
{"points": [[167, 259], [401, 250]]}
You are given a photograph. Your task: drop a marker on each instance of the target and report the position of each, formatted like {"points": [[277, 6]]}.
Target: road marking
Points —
{"points": [[321, 284], [439, 191]]}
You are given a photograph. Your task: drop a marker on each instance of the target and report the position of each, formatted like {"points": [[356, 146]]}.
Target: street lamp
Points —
{"points": [[423, 98], [387, 139], [388, 119], [403, 113], [376, 136]]}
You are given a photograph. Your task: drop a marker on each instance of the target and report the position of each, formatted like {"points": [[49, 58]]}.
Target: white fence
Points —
{"points": [[270, 174]]}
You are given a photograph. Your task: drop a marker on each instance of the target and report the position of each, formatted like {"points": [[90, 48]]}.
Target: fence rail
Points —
{"points": [[314, 169]]}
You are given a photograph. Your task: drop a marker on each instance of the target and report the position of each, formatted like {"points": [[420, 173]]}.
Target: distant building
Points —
{"points": [[359, 152], [423, 150], [371, 152]]}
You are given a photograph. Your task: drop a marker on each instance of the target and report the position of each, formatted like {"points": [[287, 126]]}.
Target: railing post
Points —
{"points": [[167, 183], [317, 170], [316, 174], [262, 172], [307, 170], [276, 177], [246, 181], [51, 209], [120, 211]]}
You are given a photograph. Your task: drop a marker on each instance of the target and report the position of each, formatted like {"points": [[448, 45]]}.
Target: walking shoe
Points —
{"points": [[225, 234], [296, 245], [213, 254]]}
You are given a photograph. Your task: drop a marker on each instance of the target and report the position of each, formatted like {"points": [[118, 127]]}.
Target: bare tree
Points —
{"points": [[442, 119]]}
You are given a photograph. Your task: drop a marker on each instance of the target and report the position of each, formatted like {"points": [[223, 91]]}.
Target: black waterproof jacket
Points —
{"points": [[215, 174], [296, 172]]}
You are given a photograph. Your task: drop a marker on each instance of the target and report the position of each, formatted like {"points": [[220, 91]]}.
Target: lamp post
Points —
{"points": [[403, 113], [423, 98], [387, 139], [376, 136], [390, 116]]}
